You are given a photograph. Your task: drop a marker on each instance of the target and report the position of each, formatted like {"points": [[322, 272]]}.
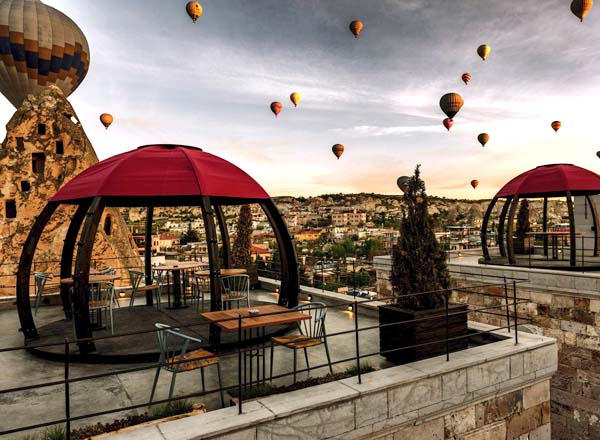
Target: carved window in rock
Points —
{"points": [[38, 162], [60, 147], [108, 225], [41, 129], [20, 143], [10, 209], [25, 186]]}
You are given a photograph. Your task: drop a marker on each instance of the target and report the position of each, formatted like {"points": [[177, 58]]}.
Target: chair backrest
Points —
{"points": [[169, 345], [314, 327], [158, 276], [108, 270], [40, 281], [102, 293], [202, 283], [136, 277], [236, 286]]}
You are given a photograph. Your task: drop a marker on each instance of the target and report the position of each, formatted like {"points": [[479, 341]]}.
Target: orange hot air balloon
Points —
{"points": [[483, 51], [556, 125], [483, 139], [474, 183], [338, 150], [448, 123], [276, 108], [194, 10], [581, 8], [295, 98], [106, 119], [451, 103], [598, 154], [356, 28], [466, 77]]}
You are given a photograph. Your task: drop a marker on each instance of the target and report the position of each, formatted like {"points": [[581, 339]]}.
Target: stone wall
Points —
{"points": [[495, 391], [46, 146], [565, 306]]}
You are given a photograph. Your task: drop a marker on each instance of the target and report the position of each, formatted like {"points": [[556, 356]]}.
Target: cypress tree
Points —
{"points": [[242, 245], [418, 261]]}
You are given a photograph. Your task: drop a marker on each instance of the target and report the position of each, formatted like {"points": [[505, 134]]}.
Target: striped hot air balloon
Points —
{"points": [[356, 28], [581, 7], [556, 126], [451, 103], [276, 107], [466, 77], [39, 46], [338, 150]]}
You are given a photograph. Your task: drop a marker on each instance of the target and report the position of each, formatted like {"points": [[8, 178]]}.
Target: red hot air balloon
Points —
{"points": [[338, 150], [276, 108], [356, 28], [474, 183], [556, 126], [448, 123]]}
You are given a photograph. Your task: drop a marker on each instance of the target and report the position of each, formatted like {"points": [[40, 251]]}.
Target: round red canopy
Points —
{"points": [[162, 171], [550, 180]]}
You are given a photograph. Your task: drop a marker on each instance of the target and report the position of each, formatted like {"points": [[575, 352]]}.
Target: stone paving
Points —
{"points": [[20, 368]]}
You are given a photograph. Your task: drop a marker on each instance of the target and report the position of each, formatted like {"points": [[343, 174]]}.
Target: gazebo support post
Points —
{"points": [[148, 253], [484, 225], [290, 284], [510, 230], [81, 312], [66, 260], [545, 226], [501, 222], [573, 245], [594, 210], [225, 243], [24, 272], [208, 216]]}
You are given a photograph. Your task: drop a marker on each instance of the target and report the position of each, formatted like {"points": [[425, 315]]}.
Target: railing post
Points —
{"points": [[516, 313], [67, 392], [507, 305], [356, 338], [447, 331], [239, 364], [582, 254]]}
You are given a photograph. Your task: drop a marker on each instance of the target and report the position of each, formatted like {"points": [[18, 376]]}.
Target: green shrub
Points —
{"points": [[57, 432], [171, 409], [364, 368]]}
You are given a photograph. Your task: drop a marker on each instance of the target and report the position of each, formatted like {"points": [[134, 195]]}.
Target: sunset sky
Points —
{"points": [[209, 84]]}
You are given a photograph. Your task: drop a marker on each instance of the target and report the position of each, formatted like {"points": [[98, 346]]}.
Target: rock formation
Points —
{"points": [[46, 146]]}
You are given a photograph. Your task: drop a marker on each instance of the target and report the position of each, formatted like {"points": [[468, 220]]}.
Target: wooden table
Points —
{"points": [[223, 272], [268, 315], [93, 279], [554, 235], [176, 268]]}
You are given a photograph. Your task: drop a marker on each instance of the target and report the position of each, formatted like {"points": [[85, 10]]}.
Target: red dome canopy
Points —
{"points": [[162, 171], [551, 180]]}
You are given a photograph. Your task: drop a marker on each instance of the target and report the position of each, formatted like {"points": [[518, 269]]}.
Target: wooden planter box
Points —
{"points": [[430, 331], [252, 271], [523, 246]]}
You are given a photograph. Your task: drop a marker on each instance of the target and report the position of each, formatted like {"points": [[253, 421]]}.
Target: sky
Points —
{"points": [[209, 84]]}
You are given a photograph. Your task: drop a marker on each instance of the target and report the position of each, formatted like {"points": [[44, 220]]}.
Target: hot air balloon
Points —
{"points": [[581, 7], [356, 28], [448, 123], [40, 46], [556, 125], [466, 77], [338, 150], [474, 183], [194, 10], [106, 119], [483, 51], [451, 103], [276, 107], [483, 138], [295, 98], [402, 183], [598, 154]]}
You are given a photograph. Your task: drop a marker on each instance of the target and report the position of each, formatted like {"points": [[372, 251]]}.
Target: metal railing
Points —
{"points": [[508, 306]]}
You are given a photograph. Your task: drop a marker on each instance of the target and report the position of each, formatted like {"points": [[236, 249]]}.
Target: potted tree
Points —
{"points": [[241, 251], [522, 241], [419, 265]]}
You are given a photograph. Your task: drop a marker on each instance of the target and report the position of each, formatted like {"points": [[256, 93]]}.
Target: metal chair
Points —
{"points": [[109, 270], [235, 288], [175, 358], [200, 286], [136, 278], [312, 333], [101, 301], [40, 283]]}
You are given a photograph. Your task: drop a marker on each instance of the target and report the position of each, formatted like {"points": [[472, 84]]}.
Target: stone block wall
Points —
{"points": [[564, 306]]}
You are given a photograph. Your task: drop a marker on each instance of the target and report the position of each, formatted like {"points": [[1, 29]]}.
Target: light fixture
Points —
{"points": [[309, 297], [277, 291], [350, 308], [121, 294]]}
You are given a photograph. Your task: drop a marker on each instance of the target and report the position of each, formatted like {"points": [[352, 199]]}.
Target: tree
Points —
{"points": [[343, 249], [419, 263], [523, 225], [190, 235], [371, 247], [241, 249]]}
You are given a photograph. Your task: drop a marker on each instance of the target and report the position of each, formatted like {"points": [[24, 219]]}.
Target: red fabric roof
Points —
{"points": [[552, 180], [162, 171]]}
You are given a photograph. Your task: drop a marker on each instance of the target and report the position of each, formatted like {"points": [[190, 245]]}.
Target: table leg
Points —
{"points": [[264, 363], [554, 247]]}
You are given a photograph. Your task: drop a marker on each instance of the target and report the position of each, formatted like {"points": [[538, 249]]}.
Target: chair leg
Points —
{"points": [[202, 375], [307, 364], [220, 385], [271, 376], [38, 297], [172, 385], [154, 384], [131, 299], [295, 358], [328, 357]]}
